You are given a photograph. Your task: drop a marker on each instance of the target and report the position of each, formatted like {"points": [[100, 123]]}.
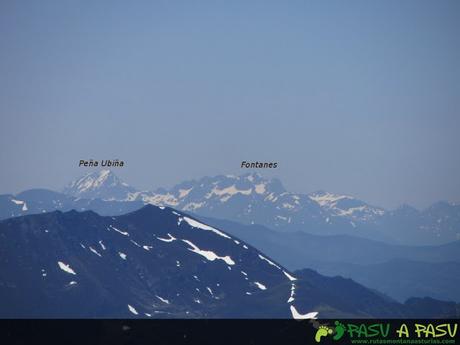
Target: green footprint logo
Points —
{"points": [[322, 332], [339, 330]]}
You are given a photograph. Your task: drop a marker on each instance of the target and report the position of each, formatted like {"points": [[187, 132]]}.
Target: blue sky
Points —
{"points": [[358, 97]]}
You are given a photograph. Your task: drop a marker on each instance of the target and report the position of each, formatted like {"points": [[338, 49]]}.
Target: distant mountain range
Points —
{"points": [[251, 199], [34, 201], [402, 278], [160, 263]]}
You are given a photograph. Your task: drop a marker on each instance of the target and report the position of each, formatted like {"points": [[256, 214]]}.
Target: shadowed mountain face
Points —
{"points": [[156, 262], [151, 263]]}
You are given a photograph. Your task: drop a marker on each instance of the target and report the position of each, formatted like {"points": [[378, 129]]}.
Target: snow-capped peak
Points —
{"points": [[103, 184], [250, 198], [327, 199], [202, 193], [345, 205]]}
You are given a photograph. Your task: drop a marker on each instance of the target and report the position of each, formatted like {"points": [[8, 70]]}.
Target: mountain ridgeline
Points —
{"points": [[251, 199], [153, 262], [160, 263], [333, 234]]}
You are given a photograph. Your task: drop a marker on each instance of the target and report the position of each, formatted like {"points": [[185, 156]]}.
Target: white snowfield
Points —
{"points": [[210, 255], [91, 181], [20, 202], [66, 268], [135, 243], [269, 261], [170, 239], [330, 202], [227, 193], [195, 224], [191, 206], [164, 300], [260, 188], [156, 199], [260, 286], [291, 278], [327, 199], [296, 315], [291, 297], [184, 192], [95, 251], [124, 233], [132, 310]]}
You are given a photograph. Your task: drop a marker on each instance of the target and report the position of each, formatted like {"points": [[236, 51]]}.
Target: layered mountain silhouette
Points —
{"points": [[35, 201], [252, 199], [157, 262], [333, 234], [397, 270]]}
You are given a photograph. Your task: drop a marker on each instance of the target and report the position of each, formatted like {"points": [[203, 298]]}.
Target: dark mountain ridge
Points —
{"points": [[156, 262]]}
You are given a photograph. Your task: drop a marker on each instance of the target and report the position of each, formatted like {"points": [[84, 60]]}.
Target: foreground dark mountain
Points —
{"points": [[150, 263], [156, 262], [399, 271]]}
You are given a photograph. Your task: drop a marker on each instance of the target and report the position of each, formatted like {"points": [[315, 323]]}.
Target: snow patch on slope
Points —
{"points": [[124, 233], [132, 310], [210, 255], [196, 224], [296, 315], [66, 268]]}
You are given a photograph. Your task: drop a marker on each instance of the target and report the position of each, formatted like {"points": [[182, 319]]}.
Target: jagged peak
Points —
{"points": [[324, 198], [99, 184]]}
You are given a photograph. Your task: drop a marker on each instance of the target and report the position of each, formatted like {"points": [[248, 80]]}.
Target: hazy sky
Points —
{"points": [[358, 97]]}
